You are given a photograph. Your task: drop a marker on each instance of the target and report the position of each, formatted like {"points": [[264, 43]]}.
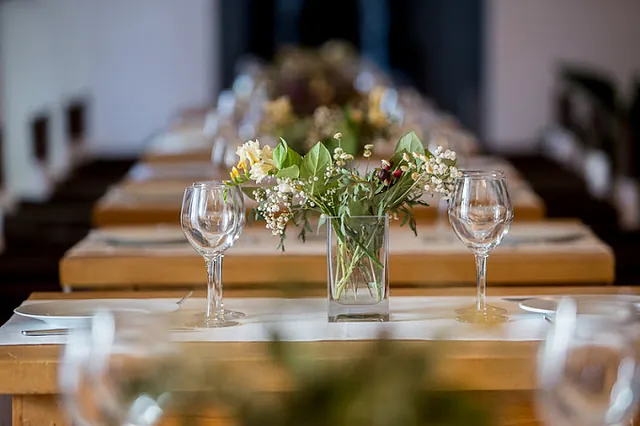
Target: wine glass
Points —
{"points": [[120, 370], [212, 219], [481, 213], [587, 366]]}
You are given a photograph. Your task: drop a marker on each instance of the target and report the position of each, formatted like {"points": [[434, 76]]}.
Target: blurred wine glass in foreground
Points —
{"points": [[587, 367], [119, 371], [481, 213]]}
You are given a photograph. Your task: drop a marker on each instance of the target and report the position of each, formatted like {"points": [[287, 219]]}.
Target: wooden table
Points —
{"points": [[152, 202], [430, 259], [498, 372]]}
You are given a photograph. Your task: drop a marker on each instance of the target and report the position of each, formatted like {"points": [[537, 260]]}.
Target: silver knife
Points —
{"points": [[65, 331], [49, 332]]}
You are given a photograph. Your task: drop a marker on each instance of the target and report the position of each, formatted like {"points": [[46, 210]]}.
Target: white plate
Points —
{"points": [[523, 235], [588, 303], [76, 313], [141, 236]]}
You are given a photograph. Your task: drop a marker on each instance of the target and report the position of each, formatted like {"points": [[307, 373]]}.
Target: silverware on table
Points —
{"points": [[184, 299], [49, 332], [65, 331]]}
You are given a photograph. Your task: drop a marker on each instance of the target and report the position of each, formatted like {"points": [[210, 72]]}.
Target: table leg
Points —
{"points": [[37, 410]]}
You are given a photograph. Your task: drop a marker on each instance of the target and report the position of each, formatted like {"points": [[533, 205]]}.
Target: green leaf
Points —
{"points": [[284, 156], [248, 190], [290, 172], [315, 163], [280, 154], [321, 221], [410, 143], [293, 158]]}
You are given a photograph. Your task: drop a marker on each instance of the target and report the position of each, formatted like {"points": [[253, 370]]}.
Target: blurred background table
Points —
{"points": [[157, 200], [545, 253]]}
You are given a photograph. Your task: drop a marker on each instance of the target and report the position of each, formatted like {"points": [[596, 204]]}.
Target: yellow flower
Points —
{"points": [[279, 111], [377, 118], [235, 174], [375, 97], [242, 165]]}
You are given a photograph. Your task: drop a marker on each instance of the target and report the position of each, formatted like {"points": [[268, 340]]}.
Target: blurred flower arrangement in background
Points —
{"points": [[313, 95]]}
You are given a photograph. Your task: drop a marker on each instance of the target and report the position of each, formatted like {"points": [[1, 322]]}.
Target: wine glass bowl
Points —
{"points": [[587, 365], [121, 369], [212, 219], [481, 213]]}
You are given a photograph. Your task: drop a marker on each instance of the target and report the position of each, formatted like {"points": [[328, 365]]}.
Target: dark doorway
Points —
{"points": [[76, 121], [40, 136], [434, 45]]}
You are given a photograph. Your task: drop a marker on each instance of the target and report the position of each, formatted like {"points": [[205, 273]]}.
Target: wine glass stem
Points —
{"points": [[442, 222], [215, 307], [481, 271]]}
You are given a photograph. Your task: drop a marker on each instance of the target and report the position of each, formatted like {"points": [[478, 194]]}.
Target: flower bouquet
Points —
{"points": [[355, 204]]}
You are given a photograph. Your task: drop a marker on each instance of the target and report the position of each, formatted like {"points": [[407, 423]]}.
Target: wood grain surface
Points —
{"points": [[426, 260], [498, 373]]}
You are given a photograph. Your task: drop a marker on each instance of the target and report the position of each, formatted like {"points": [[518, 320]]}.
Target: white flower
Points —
{"points": [[368, 146], [346, 157], [337, 136], [285, 188], [406, 157], [260, 170], [266, 155], [249, 151], [449, 155]]}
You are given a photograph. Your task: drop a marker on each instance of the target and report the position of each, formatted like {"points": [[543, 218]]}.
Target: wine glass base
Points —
{"points": [[474, 308], [214, 323], [229, 317], [229, 314], [489, 315]]}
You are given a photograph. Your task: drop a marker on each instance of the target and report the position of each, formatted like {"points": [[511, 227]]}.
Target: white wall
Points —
{"points": [[525, 42], [28, 86], [154, 57], [138, 60]]}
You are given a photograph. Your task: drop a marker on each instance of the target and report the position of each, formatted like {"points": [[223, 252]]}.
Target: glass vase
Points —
{"points": [[358, 269]]}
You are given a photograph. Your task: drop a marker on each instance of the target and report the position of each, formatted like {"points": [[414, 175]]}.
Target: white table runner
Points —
{"points": [[413, 318]]}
